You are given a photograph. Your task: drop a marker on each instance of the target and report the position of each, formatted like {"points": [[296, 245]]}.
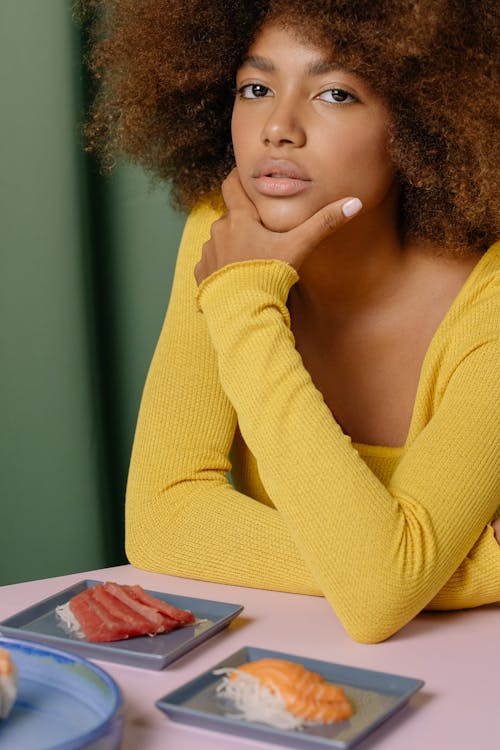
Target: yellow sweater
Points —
{"points": [[381, 532]]}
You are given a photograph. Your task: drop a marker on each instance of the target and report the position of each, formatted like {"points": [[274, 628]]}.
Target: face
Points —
{"points": [[306, 132]]}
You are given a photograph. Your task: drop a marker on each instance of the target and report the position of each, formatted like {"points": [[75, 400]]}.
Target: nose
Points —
{"points": [[284, 125]]}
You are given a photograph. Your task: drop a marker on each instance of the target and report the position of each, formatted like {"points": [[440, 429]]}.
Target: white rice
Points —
{"points": [[253, 701]]}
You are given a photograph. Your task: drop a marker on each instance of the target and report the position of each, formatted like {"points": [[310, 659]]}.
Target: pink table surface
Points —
{"points": [[457, 654]]}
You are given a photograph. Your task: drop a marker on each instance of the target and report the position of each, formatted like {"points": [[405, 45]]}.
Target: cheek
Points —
{"points": [[367, 167], [239, 136], [234, 127]]}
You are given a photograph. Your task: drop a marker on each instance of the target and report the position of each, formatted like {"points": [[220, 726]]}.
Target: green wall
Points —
{"points": [[85, 273]]}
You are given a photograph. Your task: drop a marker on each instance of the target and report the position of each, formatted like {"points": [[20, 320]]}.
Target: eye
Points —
{"points": [[253, 91], [337, 96]]}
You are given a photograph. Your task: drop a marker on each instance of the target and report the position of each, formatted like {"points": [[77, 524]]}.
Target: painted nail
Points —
{"points": [[351, 207]]}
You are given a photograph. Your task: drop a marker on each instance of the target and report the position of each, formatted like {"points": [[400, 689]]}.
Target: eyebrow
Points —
{"points": [[316, 68]]}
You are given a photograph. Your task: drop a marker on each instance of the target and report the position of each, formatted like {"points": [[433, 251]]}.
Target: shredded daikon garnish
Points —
{"points": [[68, 620], [255, 702]]}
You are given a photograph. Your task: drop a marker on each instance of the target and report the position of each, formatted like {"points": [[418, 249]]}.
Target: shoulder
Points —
{"points": [[485, 280], [474, 317], [199, 221], [467, 340], [196, 233]]}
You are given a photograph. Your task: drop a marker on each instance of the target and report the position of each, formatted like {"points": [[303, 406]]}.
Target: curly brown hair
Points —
{"points": [[165, 73]]}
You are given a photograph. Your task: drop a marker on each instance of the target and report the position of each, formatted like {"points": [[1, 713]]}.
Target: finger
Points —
{"points": [[234, 195], [326, 221]]}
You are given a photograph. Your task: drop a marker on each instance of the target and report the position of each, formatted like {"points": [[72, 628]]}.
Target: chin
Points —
{"points": [[280, 218], [279, 225]]}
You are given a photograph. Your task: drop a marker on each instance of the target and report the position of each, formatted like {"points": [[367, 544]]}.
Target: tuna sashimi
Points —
{"points": [[123, 612], [96, 622], [182, 616], [150, 614], [111, 612]]}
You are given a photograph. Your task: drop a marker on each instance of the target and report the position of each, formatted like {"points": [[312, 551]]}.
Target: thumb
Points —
{"points": [[325, 222]]}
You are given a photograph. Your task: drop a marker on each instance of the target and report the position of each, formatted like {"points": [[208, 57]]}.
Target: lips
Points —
{"points": [[279, 178]]}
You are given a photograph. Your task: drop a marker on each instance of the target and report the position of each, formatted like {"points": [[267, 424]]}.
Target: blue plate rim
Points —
{"points": [[65, 657]]}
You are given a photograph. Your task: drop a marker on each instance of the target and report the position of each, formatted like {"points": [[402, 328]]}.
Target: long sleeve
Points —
{"points": [[476, 581], [379, 554], [182, 514]]}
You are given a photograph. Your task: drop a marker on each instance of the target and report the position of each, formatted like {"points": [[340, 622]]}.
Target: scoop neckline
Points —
{"points": [[393, 451]]}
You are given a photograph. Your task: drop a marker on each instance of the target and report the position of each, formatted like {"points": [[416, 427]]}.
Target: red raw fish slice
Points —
{"points": [[146, 611], [111, 612], [181, 616], [97, 625], [135, 623], [169, 622]]}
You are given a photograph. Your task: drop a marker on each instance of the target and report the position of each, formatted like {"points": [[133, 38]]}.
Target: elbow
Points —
{"points": [[135, 554], [378, 622], [152, 542], [142, 539], [368, 635], [372, 632]]}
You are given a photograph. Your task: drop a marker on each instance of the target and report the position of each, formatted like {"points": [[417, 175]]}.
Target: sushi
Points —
{"points": [[8, 683], [282, 694], [111, 612]]}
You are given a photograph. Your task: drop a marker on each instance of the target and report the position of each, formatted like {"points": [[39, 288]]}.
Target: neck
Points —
{"points": [[356, 267], [359, 273]]}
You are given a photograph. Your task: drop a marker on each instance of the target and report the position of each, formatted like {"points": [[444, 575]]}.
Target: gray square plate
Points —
{"points": [[40, 623], [375, 697]]}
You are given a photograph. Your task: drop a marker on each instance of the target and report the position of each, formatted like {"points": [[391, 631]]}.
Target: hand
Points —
{"points": [[496, 529], [240, 235]]}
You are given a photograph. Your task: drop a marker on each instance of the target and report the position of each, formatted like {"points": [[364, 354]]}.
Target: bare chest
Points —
{"points": [[367, 364], [368, 374]]}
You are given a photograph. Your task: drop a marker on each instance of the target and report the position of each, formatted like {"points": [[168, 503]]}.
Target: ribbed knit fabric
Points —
{"points": [[381, 532]]}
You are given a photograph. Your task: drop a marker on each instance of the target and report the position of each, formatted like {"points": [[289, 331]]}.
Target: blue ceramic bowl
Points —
{"points": [[64, 702]]}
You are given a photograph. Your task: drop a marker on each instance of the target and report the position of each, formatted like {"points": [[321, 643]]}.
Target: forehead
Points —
{"points": [[289, 51], [275, 39]]}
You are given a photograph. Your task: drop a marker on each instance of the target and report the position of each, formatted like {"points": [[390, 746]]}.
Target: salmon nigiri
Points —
{"points": [[8, 683], [284, 694]]}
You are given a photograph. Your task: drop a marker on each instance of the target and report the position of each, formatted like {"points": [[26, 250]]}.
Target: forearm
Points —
{"points": [[476, 581], [182, 515], [205, 529], [379, 554]]}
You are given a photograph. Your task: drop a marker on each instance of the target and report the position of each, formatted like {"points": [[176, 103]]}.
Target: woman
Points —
{"points": [[334, 328]]}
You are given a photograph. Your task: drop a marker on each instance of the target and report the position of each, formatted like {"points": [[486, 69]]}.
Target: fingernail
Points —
{"points": [[351, 207]]}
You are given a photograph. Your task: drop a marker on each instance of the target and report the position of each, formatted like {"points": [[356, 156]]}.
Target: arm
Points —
{"points": [[496, 529], [378, 554], [182, 515], [477, 580]]}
